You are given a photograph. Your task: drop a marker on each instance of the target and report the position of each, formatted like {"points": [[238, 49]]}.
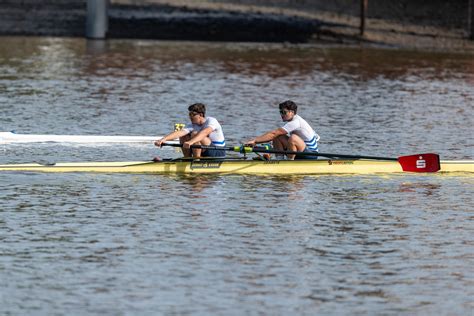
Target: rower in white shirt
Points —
{"points": [[204, 131], [295, 135]]}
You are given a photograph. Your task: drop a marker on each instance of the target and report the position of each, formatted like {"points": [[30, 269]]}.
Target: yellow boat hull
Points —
{"points": [[209, 166]]}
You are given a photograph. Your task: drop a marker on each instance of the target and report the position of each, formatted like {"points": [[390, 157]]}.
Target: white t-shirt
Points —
{"points": [[301, 128], [216, 136]]}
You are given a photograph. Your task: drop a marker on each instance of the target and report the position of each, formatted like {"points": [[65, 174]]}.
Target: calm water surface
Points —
{"points": [[154, 244]]}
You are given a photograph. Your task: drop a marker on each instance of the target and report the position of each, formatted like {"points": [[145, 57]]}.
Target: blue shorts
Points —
{"points": [[213, 153], [306, 150]]}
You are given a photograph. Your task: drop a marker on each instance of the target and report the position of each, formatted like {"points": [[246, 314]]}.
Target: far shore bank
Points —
{"points": [[247, 21]]}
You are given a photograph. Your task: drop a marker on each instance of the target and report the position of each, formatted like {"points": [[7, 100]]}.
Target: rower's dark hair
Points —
{"points": [[288, 105], [198, 108]]}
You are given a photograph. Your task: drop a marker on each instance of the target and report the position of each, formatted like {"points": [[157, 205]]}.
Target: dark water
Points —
{"points": [[147, 244]]}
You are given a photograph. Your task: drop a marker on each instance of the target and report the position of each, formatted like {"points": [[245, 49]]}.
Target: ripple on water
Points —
{"points": [[114, 244]]}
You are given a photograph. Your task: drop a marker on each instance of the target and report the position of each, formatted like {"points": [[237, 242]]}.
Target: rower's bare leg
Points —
{"points": [[182, 140], [295, 143], [195, 152], [280, 143], [204, 142]]}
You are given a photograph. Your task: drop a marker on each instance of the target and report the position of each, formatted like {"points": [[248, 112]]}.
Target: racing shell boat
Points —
{"points": [[239, 166], [336, 164]]}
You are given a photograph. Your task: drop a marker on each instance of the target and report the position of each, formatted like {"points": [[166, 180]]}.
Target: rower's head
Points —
{"points": [[288, 110], [197, 112]]}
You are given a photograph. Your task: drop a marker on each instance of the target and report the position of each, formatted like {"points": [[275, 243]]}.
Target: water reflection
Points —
{"points": [[96, 47], [194, 184], [274, 60], [427, 189]]}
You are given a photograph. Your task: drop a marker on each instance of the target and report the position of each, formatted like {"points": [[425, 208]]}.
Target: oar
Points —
{"points": [[427, 162]]}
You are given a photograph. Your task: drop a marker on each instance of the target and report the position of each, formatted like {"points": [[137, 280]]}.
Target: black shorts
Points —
{"points": [[306, 150], [213, 153]]}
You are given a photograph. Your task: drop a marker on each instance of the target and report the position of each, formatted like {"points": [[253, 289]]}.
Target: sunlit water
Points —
{"points": [[155, 244]]}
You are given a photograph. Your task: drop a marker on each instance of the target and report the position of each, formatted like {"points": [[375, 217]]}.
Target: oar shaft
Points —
{"points": [[317, 154], [427, 162], [282, 152]]}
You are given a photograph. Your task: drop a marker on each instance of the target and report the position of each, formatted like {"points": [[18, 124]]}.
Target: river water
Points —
{"points": [[230, 245]]}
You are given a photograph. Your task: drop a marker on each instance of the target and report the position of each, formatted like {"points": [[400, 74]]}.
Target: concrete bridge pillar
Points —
{"points": [[470, 19], [97, 19]]}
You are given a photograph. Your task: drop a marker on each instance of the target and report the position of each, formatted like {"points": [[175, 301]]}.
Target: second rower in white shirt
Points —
{"points": [[295, 134]]}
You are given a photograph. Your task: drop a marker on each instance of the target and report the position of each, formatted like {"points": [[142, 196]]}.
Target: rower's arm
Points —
{"points": [[201, 135], [269, 136], [174, 135]]}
